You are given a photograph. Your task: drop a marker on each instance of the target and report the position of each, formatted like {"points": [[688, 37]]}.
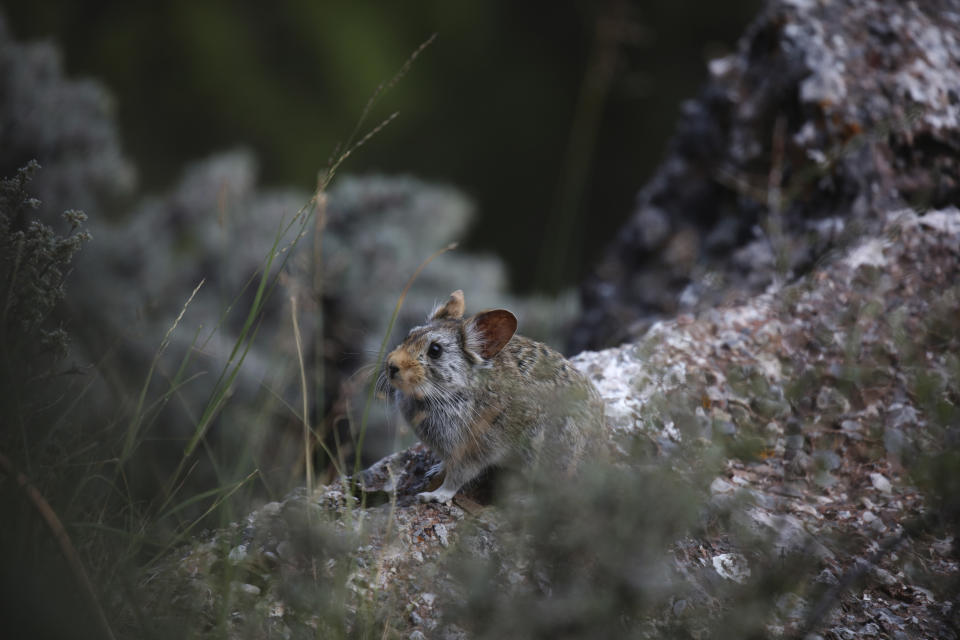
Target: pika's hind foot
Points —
{"points": [[440, 495]]}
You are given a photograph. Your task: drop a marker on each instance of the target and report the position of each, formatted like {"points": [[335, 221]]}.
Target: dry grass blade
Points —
{"points": [[307, 449], [133, 430], [63, 539], [382, 88]]}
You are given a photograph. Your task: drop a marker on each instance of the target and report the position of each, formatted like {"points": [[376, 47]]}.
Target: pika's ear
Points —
{"points": [[452, 309], [490, 331]]}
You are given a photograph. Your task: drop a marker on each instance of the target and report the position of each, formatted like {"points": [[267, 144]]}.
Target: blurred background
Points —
{"points": [[538, 111]]}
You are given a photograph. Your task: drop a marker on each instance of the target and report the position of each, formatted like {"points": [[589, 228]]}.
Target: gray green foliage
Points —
{"points": [[67, 125], [34, 263], [575, 560]]}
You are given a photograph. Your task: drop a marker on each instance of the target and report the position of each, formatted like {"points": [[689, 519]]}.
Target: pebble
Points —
{"points": [[880, 483], [441, 530], [238, 553], [732, 566], [719, 485]]}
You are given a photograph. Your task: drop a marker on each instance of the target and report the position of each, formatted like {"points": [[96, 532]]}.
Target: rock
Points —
{"points": [[238, 553], [824, 118], [659, 389], [732, 566], [441, 532], [719, 485], [792, 606], [880, 483]]}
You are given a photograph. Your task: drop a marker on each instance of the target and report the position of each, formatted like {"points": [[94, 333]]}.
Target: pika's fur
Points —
{"points": [[479, 395]]}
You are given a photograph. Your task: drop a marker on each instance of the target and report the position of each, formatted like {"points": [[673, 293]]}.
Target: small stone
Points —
{"points": [[884, 576], [732, 566], [851, 428], [720, 485], [830, 399], [827, 577], [880, 483], [417, 635], [679, 606], [271, 508], [249, 589], [428, 598], [441, 530], [943, 547], [725, 427], [899, 415], [237, 554], [827, 460], [791, 606]]}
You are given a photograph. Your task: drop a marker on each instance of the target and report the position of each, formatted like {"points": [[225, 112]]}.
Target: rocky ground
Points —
{"points": [[825, 394]]}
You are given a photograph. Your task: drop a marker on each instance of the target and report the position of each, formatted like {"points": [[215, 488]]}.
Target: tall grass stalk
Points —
{"points": [[133, 429], [319, 378], [381, 89], [307, 447], [231, 369]]}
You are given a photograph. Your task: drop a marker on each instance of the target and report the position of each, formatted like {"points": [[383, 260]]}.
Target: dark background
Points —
{"points": [[491, 107]]}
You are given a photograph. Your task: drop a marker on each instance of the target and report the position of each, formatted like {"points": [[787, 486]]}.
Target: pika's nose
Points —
{"points": [[392, 370]]}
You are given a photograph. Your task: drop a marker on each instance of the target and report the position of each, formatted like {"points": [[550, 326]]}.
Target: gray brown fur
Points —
{"points": [[490, 397]]}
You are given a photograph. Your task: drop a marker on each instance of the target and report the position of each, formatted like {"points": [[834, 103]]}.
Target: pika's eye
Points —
{"points": [[435, 350]]}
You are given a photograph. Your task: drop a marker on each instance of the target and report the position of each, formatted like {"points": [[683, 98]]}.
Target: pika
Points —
{"points": [[479, 395]]}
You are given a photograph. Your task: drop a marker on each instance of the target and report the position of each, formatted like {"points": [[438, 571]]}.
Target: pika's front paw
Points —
{"points": [[434, 470], [439, 495]]}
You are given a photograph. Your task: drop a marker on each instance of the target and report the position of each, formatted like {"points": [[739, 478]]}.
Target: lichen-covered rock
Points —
{"points": [[828, 115], [813, 505]]}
